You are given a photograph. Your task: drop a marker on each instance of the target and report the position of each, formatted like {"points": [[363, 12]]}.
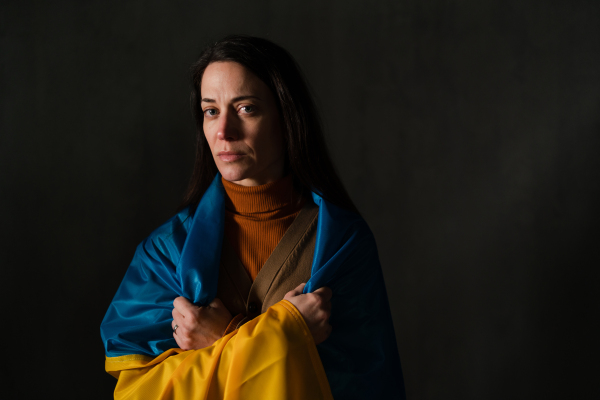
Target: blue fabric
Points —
{"points": [[181, 258]]}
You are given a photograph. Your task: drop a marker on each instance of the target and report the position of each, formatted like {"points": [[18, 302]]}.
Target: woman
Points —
{"points": [[267, 259]]}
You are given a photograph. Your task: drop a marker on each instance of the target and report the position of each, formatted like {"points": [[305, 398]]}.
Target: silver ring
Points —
{"points": [[175, 328]]}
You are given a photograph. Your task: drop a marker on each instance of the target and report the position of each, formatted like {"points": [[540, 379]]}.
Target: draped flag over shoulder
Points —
{"points": [[273, 354]]}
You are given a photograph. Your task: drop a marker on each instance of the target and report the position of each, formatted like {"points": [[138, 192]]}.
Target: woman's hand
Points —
{"points": [[198, 327], [315, 307]]}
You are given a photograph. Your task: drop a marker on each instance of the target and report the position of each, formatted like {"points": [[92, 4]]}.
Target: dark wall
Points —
{"points": [[467, 133]]}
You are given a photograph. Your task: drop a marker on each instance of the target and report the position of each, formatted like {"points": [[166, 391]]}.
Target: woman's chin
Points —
{"points": [[233, 176], [250, 176]]}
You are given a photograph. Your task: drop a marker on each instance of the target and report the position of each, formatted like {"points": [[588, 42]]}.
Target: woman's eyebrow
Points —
{"points": [[235, 99]]}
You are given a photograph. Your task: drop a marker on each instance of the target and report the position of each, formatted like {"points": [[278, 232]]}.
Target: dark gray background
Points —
{"points": [[467, 132]]}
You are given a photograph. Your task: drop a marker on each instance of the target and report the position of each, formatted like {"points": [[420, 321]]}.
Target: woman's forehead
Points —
{"points": [[225, 79]]}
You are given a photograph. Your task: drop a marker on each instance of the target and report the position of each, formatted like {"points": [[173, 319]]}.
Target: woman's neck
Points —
{"points": [[274, 199]]}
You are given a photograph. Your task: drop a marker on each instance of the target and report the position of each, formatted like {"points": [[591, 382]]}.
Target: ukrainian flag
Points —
{"points": [[271, 357]]}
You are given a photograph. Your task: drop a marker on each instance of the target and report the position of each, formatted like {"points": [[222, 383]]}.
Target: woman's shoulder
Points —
{"points": [[341, 219], [169, 238]]}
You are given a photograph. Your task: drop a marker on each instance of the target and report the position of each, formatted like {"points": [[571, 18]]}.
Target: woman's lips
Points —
{"points": [[229, 156]]}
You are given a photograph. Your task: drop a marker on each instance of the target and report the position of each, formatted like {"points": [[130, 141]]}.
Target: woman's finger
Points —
{"points": [[175, 326], [322, 333], [327, 307], [324, 292], [178, 339], [183, 305], [216, 303], [177, 316], [295, 292], [298, 290]]}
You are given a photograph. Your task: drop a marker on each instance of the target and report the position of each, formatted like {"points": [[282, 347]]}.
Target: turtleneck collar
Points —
{"points": [[277, 197]]}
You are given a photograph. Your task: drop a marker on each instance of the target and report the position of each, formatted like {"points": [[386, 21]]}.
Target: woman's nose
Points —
{"points": [[228, 127]]}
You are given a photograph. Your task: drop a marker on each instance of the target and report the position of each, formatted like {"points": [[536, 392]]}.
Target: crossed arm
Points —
{"points": [[199, 327]]}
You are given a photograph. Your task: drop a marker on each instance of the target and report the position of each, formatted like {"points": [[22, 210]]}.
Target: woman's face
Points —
{"points": [[241, 125]]}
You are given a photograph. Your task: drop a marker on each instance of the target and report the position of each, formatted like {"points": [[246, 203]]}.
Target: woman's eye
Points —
{"points": [[210, 112], [247, 109]]}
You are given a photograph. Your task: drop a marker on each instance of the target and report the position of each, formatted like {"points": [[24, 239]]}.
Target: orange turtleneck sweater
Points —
{"points": [[256, 217]]}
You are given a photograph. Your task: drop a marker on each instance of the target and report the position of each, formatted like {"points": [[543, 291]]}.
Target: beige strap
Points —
{"points": [[290, 240], [287, 266]]}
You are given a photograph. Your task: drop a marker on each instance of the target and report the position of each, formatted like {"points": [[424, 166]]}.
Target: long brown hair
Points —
{"points": [[307, 156]]}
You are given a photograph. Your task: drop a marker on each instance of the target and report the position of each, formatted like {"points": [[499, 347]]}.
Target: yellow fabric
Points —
{"points": [[273, 356]]}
